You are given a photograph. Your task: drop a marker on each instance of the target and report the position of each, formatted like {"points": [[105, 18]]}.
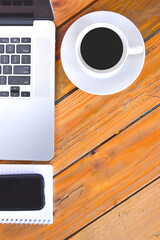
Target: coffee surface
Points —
{"points": [[101, 48]]}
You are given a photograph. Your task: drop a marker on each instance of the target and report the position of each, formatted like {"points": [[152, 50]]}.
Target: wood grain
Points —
{"points": [[77, 116], [102, 180], [83, 121], [65, 9], [117, 168], [137, 218], [113, 172], [143, 13]]}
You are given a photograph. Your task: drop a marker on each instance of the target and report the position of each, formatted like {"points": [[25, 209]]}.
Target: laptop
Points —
{"points": [[27, 80]]}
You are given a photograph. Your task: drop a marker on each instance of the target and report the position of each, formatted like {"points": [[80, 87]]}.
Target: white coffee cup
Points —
{"points": [[126, 51], [102, 76]]}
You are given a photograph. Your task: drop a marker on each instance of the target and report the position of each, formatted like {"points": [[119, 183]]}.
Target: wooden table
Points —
{"points": [[107, 148]]}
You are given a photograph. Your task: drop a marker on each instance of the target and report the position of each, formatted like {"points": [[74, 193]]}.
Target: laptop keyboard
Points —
{"points": [[15, 67]]}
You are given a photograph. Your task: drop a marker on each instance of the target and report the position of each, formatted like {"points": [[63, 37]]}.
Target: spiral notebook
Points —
{"points": [[27, 194]]}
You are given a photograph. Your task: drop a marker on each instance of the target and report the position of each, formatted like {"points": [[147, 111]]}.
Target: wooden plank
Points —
{"points": [[146, 20], [91, 187], [137, 218], [82, 192], [106, 105], [113, 172], [83, 121], [64, 10]]}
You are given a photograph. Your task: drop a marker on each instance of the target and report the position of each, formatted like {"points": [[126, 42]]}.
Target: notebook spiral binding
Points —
{"points": [[25, 221]]}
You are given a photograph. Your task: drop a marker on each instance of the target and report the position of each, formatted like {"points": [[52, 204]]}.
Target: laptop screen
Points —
{"points": [[35, 9]]}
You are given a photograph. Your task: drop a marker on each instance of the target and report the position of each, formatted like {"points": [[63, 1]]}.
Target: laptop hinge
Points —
{"points": [[16, 22]]}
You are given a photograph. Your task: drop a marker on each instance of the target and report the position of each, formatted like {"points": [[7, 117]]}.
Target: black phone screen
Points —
{"points": [[21, 192]]}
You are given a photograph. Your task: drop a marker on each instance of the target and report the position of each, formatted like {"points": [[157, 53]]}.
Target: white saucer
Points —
{"points": [[115, 82]]}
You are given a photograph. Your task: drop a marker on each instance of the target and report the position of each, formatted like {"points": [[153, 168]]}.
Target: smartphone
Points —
{"points": [[21, 192]]}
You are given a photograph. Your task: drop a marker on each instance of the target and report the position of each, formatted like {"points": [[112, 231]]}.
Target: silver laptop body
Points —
{"points": [[27, 81]]}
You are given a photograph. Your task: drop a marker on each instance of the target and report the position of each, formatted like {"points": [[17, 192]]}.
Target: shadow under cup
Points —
{"points": [[101, 49]]}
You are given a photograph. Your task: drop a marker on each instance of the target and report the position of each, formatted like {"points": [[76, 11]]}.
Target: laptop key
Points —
{"points": [[1, 48], [25, 94], [15, 40], [4, 94], [21, 69], [14, 94], [28, 2], [10, 49], [26, 59], [4, 59], [18, 80], [4, 40], [6, 3], [2, 80], [26, 40], [7, 69], [15, 91], [23, 48], [0, 69], [15, 59], [17, 2]]}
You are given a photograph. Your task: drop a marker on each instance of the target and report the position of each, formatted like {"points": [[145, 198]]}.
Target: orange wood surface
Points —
{"points": [[65, 9], [100, 181], [83, 121], [106, 147], [143, 13], [137, 218]]}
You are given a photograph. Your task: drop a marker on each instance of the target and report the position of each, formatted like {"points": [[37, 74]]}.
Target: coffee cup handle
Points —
{"points": [[135, 50]]}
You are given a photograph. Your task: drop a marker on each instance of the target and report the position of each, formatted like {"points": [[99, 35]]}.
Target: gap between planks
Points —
{"points": [[132, 198], [74, 190], [75, 89], [93, 151], [127, 8], [94, 185], [114, 135], [83, 109]]}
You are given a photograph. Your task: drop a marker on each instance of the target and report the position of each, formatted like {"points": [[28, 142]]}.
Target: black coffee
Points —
{"points": [[101, 48]]}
